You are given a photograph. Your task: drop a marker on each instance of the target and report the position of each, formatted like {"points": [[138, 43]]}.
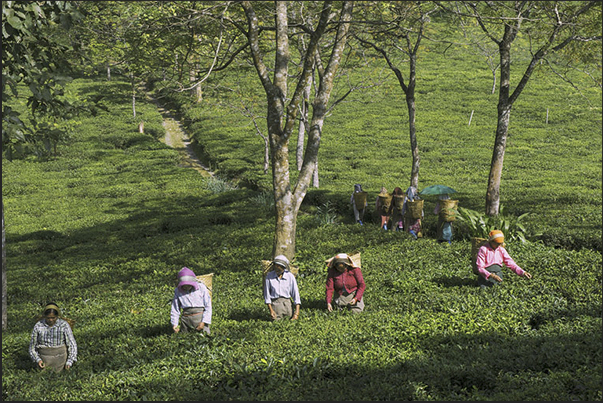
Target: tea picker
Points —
{"points": [[359, 203], [446, 210], [382, 204], [191, 306], [491, 257], [280, 288], [412, 210]]}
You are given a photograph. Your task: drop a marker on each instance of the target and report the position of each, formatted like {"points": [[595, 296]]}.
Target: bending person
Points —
{"points": [[490, 258], [193, 299], [280, 287], [52, 344], [345, 281]]}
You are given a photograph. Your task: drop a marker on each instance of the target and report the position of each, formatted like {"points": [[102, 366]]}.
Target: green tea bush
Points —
{"points": [[103, 231]]}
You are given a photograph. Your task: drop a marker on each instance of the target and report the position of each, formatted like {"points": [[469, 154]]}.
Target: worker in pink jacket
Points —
{"points": [[490, 259]]}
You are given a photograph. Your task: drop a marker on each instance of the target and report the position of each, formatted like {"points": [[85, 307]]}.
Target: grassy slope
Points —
{"points": [[103, 229]]}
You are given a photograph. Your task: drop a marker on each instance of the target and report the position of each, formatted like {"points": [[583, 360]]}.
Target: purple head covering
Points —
{"points": [[187, 277]]}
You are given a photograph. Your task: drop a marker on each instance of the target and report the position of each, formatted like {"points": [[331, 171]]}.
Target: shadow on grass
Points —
{"points": [[245, 315], [456, 281], [464, 367]]}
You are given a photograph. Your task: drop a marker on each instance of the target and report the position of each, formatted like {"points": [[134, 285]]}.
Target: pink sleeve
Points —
{"points": [[484, 273], [480, 262], [510, 263]]}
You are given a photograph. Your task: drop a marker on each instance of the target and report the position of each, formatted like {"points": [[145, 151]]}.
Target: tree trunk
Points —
{"points": [[496, 166], [196, 92], [281, 117], [301, 136], [4, 288], [410, 102], [493, 82], [502, 126], [286, 204], [266, 155], [303, 121], [416, 159], [108, 73]]}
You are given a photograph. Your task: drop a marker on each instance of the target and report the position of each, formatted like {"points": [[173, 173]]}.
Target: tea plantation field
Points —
{"points": [[103, 227]]}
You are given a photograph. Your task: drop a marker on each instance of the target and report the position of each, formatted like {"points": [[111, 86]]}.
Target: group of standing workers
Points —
{"points": [[401, 211]]}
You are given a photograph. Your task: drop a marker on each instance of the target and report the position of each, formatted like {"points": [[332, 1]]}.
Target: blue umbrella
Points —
{"points": [[437, 190]]}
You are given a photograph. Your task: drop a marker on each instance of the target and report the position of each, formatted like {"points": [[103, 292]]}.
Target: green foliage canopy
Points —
{"points": [[35, 58]]}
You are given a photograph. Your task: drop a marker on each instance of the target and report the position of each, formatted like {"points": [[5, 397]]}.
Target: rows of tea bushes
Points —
{"points": [[103, 227], [552, 165]]}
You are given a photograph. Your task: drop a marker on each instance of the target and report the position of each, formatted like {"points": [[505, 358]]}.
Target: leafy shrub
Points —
{"points": [[265, 200], [326, 214], [475, 224], [218, 185]]}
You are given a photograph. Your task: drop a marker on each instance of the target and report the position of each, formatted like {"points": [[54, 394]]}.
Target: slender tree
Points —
{"points": [[393, 28], [548, 28], [283, 106]]}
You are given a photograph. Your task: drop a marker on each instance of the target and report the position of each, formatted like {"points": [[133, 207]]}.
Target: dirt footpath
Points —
{"points": [[175, 137]]}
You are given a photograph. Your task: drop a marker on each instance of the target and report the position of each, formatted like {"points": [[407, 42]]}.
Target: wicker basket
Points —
{"points": [[448, 210], [267, 267], [384, 202], [399, 201], [415, 209], [360, 200], [207, 279], [476, 243]]}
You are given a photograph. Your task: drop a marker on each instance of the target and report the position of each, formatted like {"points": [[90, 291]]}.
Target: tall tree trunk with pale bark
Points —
{"points": [[281, 116], [550, 26], [502, 126]]}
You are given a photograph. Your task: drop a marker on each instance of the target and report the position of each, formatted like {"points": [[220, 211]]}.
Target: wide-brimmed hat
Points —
{"points": [[496, 236], [353, 260], [187, 277]]}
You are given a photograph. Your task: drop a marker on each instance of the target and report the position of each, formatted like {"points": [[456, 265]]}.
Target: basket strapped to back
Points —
{"points": [[399, 201], [476, 243], [384, 202], [207, 280], [360, 200], [448, 210], [415, 209]]}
